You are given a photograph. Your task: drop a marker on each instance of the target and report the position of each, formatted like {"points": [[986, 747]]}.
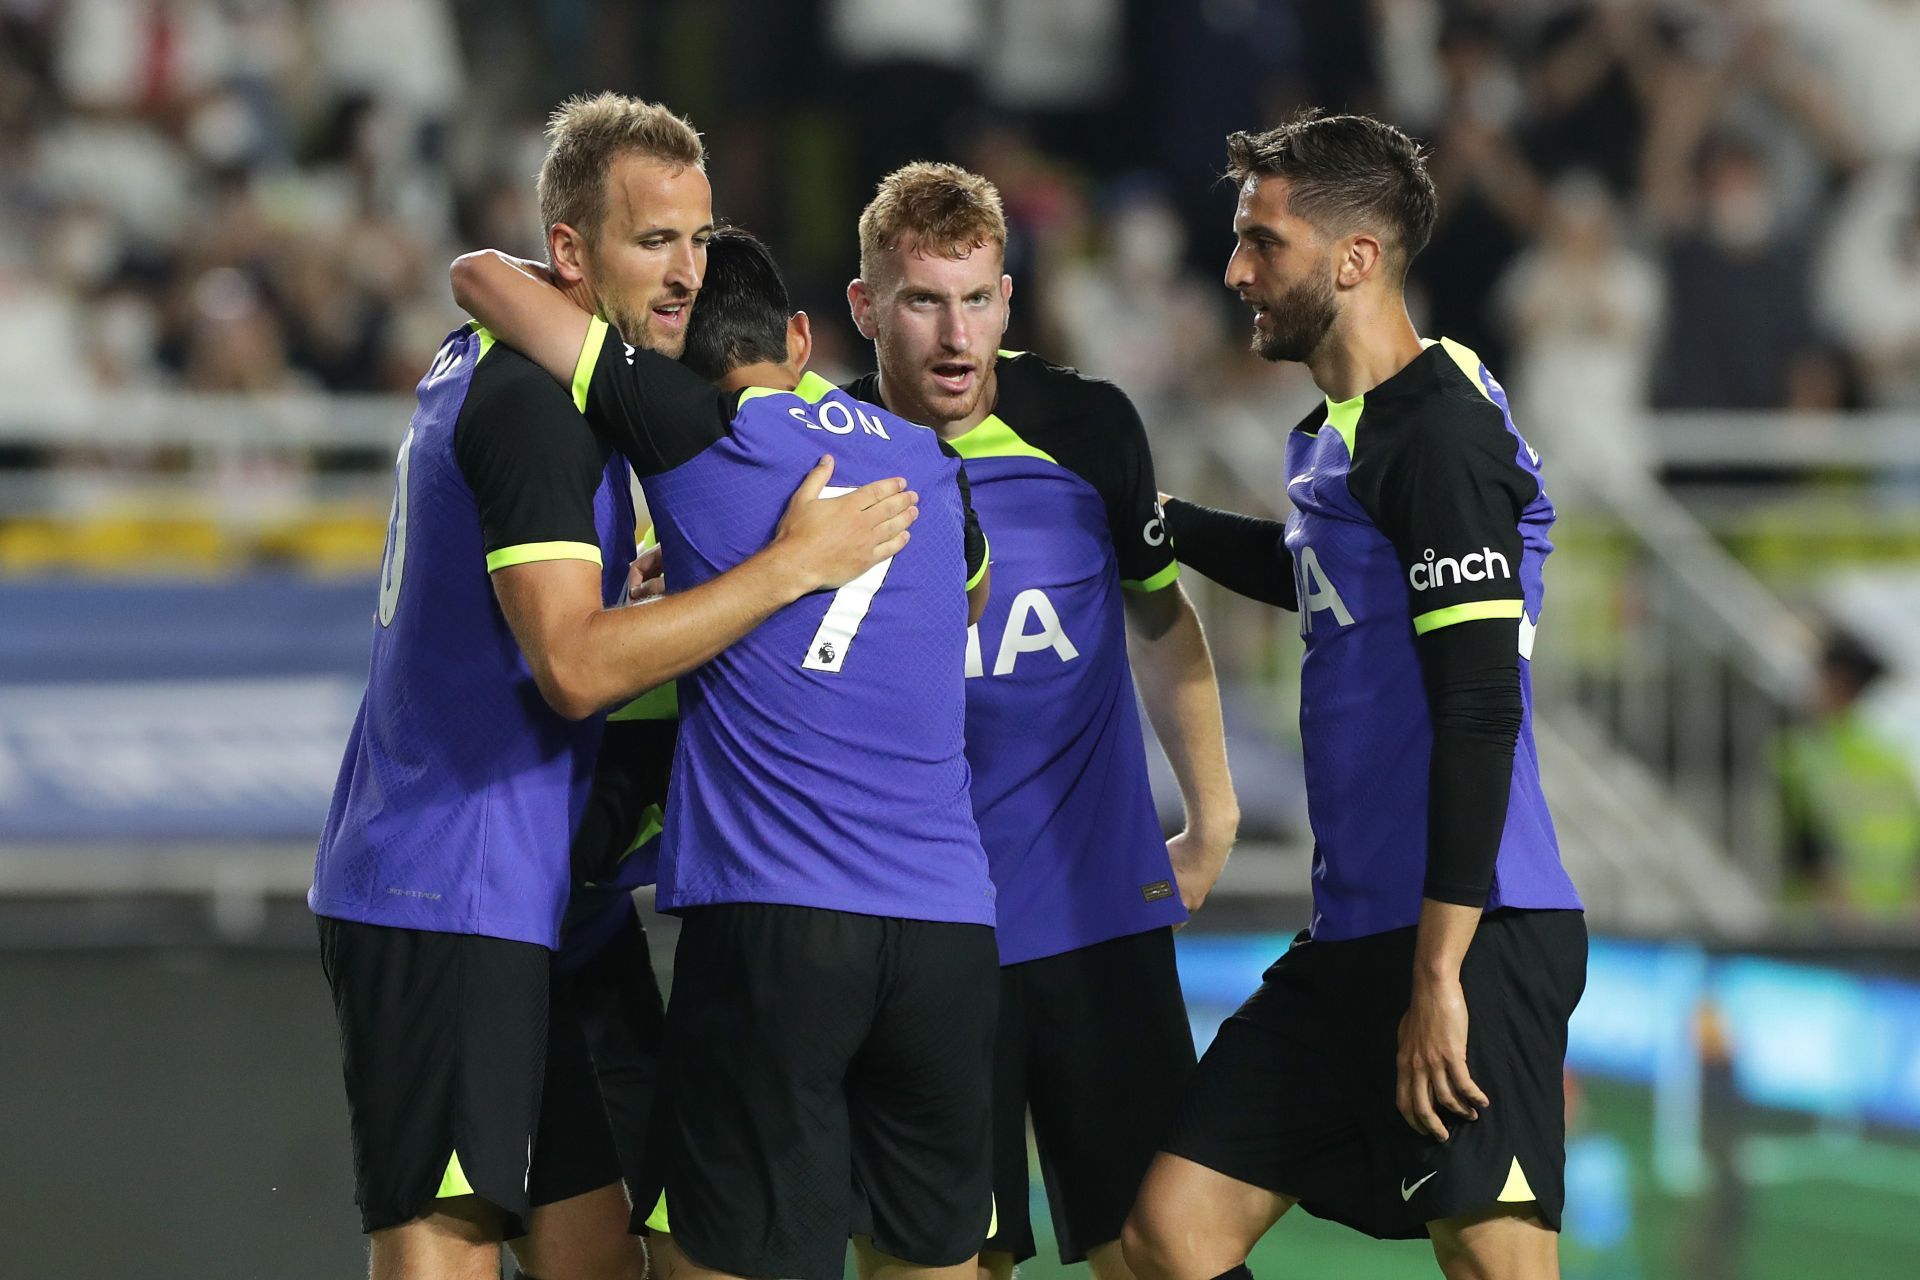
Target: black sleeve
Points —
{"points": [[976, 540], [1472, 678], [654, 410], [1448, 492], [532, 464], [1124, 476], [1245, 554]]}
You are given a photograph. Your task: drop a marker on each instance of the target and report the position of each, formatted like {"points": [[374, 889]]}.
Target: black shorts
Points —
{"points": [[1296, 1094], [827, 1074], [1095, 1044], [467, 1073], [617, 999]]}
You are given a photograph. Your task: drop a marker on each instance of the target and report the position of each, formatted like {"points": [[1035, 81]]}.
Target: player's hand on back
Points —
{"points": [[645, 579], [829, 542]]}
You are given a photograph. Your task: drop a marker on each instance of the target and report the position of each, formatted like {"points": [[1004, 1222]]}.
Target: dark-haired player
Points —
{"points": [[1348, 1082], [442, 870], [1093, 1040], [830, 1030]]}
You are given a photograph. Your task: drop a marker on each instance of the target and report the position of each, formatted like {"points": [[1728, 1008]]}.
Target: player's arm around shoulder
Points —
{"points": [[586, 658], [519, 303]]}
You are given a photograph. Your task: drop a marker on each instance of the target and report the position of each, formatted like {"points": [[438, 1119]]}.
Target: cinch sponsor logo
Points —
{"points": [[1475, 566]]}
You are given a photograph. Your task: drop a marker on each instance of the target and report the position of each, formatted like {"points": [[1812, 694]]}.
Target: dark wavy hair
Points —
{"points": [[741, 315]]}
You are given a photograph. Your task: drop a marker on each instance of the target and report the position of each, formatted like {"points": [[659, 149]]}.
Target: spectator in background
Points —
{"points": [[1870, 281], [1851, 815], [1740, 332], [1131, 312], [1582, 309], [1489, 196]]}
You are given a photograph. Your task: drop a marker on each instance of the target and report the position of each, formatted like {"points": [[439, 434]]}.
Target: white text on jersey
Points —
{"points": [[1015, 639], [840, 419]]}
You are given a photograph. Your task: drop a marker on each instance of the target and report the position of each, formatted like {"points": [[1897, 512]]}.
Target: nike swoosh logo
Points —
{"points": [[1406, 1192]]}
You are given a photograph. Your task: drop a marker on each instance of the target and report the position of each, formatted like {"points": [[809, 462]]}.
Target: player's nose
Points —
{"points": [[1239, 275]]}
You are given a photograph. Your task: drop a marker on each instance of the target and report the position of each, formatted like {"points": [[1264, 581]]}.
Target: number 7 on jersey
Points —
{"points": [[827, 651]]}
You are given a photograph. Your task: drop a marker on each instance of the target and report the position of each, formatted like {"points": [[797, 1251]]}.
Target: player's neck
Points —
{"points": [[766, 373], [1364, 352]]}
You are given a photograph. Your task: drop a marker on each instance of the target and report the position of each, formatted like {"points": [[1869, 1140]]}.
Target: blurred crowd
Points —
{"points": [[1667, 203]]}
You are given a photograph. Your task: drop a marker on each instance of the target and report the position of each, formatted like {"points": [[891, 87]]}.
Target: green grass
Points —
{"points": [[1823, 1213]]}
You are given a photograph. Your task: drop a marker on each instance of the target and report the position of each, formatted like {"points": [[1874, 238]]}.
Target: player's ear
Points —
{"points": [[1006, 301], [799, 341], [860, 304], [567, 251], [1361, 260]]}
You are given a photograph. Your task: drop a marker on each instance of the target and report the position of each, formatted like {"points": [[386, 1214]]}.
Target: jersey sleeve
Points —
{"points": [[976, 539], [1448, 491], [654, 410], [1126, 482], [533, 466]]}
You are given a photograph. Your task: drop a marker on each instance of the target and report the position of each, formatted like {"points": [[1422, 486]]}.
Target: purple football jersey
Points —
{"points": [[460, 787]]}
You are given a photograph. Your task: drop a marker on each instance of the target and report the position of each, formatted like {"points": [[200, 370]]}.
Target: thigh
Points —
{"points": [[1112, 1050], [769, 1006], [1523, 976], [443, 1045], [617, 998], [1268, 1105], [921, 1096], [1011, 1228], [573, 1151], [583, 1237]]}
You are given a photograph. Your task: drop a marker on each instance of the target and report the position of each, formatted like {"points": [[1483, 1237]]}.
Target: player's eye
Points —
{"points": [[653, 242]]}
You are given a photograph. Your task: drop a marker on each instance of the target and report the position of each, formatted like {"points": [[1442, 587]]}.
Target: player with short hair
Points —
{"points": [[442, 871], [829, 1033], [1093, 1036], [1347, 1083]]}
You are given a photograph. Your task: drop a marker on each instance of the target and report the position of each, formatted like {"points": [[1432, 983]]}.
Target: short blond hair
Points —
{"points": [[585, 135], [943, 208]]}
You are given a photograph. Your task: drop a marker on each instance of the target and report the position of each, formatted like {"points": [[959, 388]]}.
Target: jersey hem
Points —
{"points": [[478, 926], [1021, 954], [825, 902]]}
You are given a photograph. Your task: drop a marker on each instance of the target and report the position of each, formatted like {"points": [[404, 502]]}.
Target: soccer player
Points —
{"points": [[1093, 1035], [1348, 1083], [829, 1033], [442, 870]]}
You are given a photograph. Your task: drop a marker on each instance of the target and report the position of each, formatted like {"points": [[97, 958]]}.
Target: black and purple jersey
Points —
{"points": [[820, 759], [461, 788], [1063, 481], [1416, 507]]}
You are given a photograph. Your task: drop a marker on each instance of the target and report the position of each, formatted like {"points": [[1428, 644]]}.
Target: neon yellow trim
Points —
{"points": [[1518, 1189], [993, 1215], [652, 823], [1008, 355], [1472, 611], [528, 552], [655, 704], [812, 388], [649, 538], [1469, 363], [1344, 417], [589, 357], [486, 339], [995, 439], [1165, 578], [454, 1181], [986, 558], [657, 1220]]}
